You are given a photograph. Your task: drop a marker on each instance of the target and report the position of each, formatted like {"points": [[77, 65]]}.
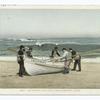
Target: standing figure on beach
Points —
{"points": [[55, 54], [29, 52], [77, 59], [65, 57], [20, 60]]}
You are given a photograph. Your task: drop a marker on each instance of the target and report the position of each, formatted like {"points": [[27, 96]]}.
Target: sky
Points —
{"points": [[49, 23]]}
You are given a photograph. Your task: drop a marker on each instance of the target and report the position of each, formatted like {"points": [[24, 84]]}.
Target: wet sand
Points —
{"points": [[89, 78]]}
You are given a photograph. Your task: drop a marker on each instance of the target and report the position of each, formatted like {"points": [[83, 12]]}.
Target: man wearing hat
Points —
{"points": [[55, 54], [77, 59], [65, 57], [20, 60]]}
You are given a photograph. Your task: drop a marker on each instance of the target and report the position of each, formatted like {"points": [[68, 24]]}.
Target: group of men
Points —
{"points": [[68, 56]]}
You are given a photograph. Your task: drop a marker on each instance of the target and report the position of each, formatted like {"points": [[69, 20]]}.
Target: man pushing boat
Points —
{"points": [[55, 54], [67, 58], [77, 59]]}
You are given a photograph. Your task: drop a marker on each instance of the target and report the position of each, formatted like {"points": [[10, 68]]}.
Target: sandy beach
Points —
{"points": [[87, 79]]}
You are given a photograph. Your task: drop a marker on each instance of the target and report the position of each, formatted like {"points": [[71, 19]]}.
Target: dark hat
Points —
{"points": [[21, 46]]}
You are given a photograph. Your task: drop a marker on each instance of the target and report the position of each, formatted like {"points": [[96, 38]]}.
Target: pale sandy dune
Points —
{"points": [[88, 78]]}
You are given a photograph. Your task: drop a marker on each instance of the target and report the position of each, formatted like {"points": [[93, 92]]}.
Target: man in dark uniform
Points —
{"points": [[73, 52], [55, 52], [77, 59], [20, 59], [77, 62], [55, 55]]}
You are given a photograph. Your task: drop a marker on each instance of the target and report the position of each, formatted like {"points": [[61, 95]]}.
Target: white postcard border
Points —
{"points": [[22, 91]]}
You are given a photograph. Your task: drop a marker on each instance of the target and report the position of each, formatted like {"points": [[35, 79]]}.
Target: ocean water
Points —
{"points": [[87, 47]]}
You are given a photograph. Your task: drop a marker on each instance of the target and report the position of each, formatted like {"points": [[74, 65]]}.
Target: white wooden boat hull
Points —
{"points": [[33, 68]]}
